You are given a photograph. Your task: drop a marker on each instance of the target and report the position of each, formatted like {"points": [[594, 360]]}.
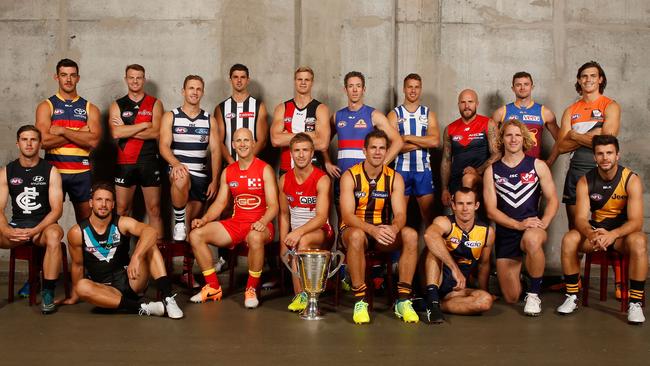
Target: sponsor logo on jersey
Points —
{"points": [[596, 113], [16, 181], [119, 180], [180, 130], [247, 115], [308, 200], [360, 124], [38, 179], [127, 114], [145, 113], [58, 111], [230, 115], [473, 244], [201, 131], [248, 201], [79, 112], [619, 197], [85, 162], [254, 182], [530, 118], [527, 178], [359, 194], [379, 194], [203, 138], [234, 184], [596, 197], [341, 124]]}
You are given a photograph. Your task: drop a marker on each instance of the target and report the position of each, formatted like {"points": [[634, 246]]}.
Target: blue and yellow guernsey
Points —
{"points": [[73, 114], [466, 246]]}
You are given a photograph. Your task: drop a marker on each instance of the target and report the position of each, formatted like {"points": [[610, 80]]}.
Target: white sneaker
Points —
{"points": [[250, 298], [569, 305], [180, 231], [635, 313], [533, 305], [173, 311], [220, 265], [152, 308]]}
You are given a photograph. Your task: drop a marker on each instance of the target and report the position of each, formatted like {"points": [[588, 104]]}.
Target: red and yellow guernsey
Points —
{"points": [[73, 114]]}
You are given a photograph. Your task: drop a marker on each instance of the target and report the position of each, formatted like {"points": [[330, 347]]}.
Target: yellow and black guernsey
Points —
{"points": [[608, 199], [372, 195], [466, 247]]}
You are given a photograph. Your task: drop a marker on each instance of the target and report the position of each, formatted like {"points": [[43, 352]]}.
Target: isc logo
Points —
{"points": [[308, 200], [248, 201]]}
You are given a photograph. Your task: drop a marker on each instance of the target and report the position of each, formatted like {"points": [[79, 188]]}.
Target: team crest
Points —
{"points": [[596, 114], [341, 124]]}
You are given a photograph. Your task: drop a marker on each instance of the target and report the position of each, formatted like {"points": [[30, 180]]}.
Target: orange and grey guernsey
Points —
{"points": [[608, 199], [73, 114], [372, 196]]}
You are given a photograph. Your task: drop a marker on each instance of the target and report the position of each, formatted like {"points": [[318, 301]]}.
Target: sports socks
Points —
{"points": [[403, 291], [433, 294], [637, 290], [179, 215], [49, 284], [571, 281], [253, 279], [129, 305], [535, 285], [360, 292], [211, 279], [164, 285]]}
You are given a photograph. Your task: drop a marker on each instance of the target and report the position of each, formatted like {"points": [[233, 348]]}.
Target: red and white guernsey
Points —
{"points": [[301, 197], [297, 120], [247, 189]]}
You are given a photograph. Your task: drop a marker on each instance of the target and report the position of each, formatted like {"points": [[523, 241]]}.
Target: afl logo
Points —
{"points": [[201, 131], [456, 137], [473, 244], [248, 201], [575, 116], [80, 111], [230, 115], [341, 124], [180, 130], [127, 114], [38, 179], [16, 181], [359, 194], [58, 112], [596, 197], [233, 184], [502, 180], [401, 120], [288, 120]]}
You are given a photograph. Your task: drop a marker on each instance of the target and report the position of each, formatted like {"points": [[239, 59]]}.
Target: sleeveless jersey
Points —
{"points": [[466, 247], [299, 120], [533, 117], [247, 189], [239, 115], [301, 197], [131, 150], [190, 141], [29, 192], [469, 146], [608, 199], [104, 254], [73, 114], [352, 128], [372, 196], [518, 188], [586, 116], [414, 124]]}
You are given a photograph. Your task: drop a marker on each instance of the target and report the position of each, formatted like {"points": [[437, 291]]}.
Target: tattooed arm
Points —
{"points": [[495, 154], [445, 168]]}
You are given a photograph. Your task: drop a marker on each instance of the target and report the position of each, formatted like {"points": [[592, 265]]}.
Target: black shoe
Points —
{"points": [[433, 314]]}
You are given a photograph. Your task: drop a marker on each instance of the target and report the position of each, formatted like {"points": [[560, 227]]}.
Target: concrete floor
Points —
{"points": [[225, 333]]}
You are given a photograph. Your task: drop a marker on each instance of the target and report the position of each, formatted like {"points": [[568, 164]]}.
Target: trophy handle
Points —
{"points": [[341, 257], [286, 259]]}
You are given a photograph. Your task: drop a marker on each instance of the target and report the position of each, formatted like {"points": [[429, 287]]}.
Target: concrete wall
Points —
{"points": [[454, 44]]}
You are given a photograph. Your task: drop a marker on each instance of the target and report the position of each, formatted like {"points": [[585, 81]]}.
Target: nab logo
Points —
{"points": [[360, 124], [16, 181], [473, 244], [58, 112], [527, 178], [127, 114], [596, 197], [248, 201], [180, 130], [308, 200]]}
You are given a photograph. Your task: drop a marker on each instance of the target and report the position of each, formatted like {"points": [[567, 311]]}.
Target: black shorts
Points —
{"points": [[372, 243], [77, 186], [144, 174], [23, 224], [572, 176], [447, 284], [508, 243], [198, 186], [120, 281]]}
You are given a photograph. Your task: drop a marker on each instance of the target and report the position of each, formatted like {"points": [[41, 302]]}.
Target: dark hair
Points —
{"points": [[135, 67], [465, 190], [601, 72], [521, 74], [25, 128], [193, 77], [354, 74], [238, 67], [66, 62], [604, 140], [412, 76], [301, 137], [102, 186], [376, 134]]}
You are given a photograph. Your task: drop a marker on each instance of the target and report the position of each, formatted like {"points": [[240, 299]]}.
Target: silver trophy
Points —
{"points": [[313, 271]]}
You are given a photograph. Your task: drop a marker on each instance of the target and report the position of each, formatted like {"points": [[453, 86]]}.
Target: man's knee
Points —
{"points": [[483, 301], [53, 235], [256, 239], [570, 242], [153, 209], [355, 240], [84, 289], [533, 243], [470, 180], [196, 237], [637, 245], [409, 238]]}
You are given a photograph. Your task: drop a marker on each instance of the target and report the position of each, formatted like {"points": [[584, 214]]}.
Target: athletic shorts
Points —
{"points": [[140, 174], [238, 229], [198, 186], [448, 282], [417, 183], [572, 176], [120, 281], [77, 186], [372, 243], [23, 224], [329, 232], [508, 243]]}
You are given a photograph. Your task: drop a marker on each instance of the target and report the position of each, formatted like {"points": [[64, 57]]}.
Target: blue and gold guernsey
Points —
{"points": [[73, 114], [608, 199], [532, 116], [352, 128], [466, 247], [413, 124]]}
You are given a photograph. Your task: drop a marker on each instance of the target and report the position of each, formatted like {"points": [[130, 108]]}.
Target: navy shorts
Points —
{"points": [[508, 243], [448, 282], [198, 186], [77, 186], [144, 174], [417, 183]]}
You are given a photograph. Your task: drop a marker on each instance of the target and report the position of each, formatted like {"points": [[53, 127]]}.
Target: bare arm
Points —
{"points": [[118, 128], [398, 203], [284, 219], [271, 195], [279, 137], [435, 241], [498, 115], [548, 191], [76, 257], [216, 208], [445, 166], [147, 235], [215, 158], [165, 141], [431, 140], [43, 123], [582, 211], [484, 262], [331, 168], [495, 154], [562, 144], [381, 122], [634, 221], [4, 195], [221, 134], [323, 131], [261, 130], [86, 139], [490, 201], [551, 122], [153, 131]]}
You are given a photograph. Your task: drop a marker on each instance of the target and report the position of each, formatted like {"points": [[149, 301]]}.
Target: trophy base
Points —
{"points": [[312, 312]]}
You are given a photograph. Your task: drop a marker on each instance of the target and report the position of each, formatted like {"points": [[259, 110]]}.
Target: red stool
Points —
{"points": [[34, 256], [271, 250], [170, 249], [605, 259]]}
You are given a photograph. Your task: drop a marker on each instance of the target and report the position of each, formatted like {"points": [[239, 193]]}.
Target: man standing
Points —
{"points": [[251, 183], [594, 114], [34, 187], [469, 147], [418, 126], [460, 242], [373, 218], [99, 246], [70, 128], [511, 191], [301, 114], [609, 216], [240, 110], [135, 123], [534, 115], [304, 208]]}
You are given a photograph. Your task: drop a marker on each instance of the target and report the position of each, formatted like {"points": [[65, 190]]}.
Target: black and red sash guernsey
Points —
{"points": [[131, 150]]}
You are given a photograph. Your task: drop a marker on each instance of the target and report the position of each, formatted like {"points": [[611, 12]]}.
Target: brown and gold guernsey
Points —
{"points": [[372, 196], [608, 199]]}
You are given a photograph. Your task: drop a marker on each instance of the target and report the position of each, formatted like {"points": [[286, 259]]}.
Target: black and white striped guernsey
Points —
{"points": [[190, 141], [238, 115]]}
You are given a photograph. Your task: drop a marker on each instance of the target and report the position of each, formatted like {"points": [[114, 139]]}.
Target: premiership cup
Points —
{"points": [[313, 271]]}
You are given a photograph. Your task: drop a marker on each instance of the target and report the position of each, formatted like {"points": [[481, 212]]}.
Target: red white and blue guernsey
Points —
{"points": [[469, 147], [73, 114], [299, 120], [352, 128], [533, 117], [518, 188], [302, 197]]}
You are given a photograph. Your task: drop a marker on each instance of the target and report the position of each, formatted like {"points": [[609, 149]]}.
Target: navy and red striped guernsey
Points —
{"points": [[299, 120], [73, 114], [469, 147], [239, 115], [131, 150]]}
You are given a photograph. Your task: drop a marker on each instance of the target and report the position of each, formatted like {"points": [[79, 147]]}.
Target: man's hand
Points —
{"points": [[384, 234], [258, 226], [532, 222], [445, 197], [333, 170], [57, 130], [117, 121], [179, 171], [134, 268], [292, 239], [212, 190], [460, 279], [604, 238], [17, 235], [197, 223], [73, 299], [470, 170]]}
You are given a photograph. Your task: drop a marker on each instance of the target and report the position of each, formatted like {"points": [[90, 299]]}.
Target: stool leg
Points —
{"points": [[12, 274], [604, 264], [625, 280], [337, 288], [66, 272], [32, 276], [370, 286], [586, 281], [390, 295]]}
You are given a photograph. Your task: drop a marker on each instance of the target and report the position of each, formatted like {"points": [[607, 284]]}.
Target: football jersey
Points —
{"points": [[301, 197], [247, 190]]}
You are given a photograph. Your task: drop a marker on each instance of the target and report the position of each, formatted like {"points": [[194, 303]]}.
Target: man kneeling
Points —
{"points": [[459, 242], [100, 245]]}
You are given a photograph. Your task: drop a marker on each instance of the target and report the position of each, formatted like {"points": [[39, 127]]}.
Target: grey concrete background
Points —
{"points": [[453, 44]]}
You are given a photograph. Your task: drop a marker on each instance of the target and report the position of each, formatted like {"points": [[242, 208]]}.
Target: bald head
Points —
{"points": [[467, 104], [242, 132], [243, 143]]}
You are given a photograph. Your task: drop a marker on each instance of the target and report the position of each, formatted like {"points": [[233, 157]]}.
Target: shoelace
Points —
{"points": [[144, 311], [171, 300], [360, 305]]}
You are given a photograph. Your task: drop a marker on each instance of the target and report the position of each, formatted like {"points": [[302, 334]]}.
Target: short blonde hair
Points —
{"points": [[304, 69], [528, 139]]}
